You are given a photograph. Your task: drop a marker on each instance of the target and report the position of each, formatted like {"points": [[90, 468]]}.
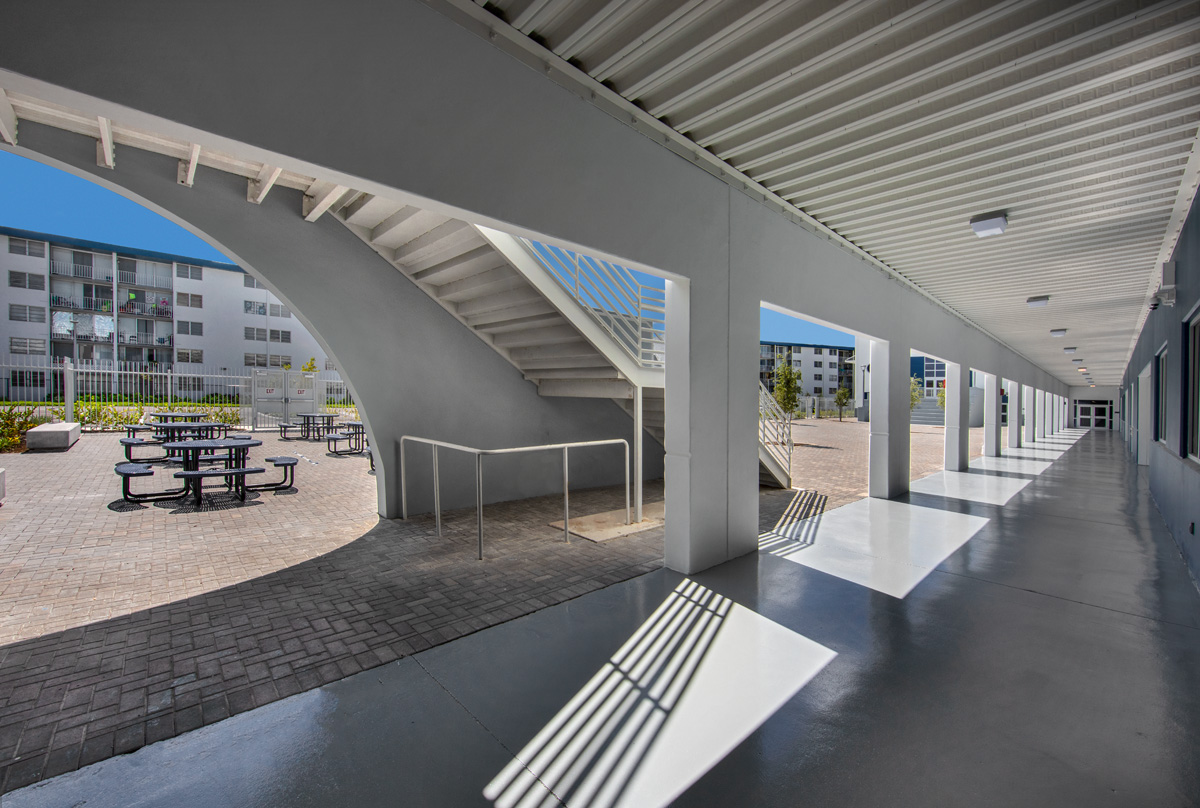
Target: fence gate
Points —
{"points": [[281, 394]]}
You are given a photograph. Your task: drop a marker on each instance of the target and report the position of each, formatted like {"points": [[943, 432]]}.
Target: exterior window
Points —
{"points": [[256, 334], [1194, 388], [329, 364], [251, 283], [189, 301], [187, 327], [279, 360], [280, 336], [26, 314], [256, 360], [27, 280], [816, 377], [818, 351], [194, 356], [188, 272], [21, 345], [1160, 394], [27, 378], [253, 307], [278, 310], [20, 246], [818, 364]]}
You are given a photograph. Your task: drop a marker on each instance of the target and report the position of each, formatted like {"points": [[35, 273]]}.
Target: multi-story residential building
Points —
{"points": [[823, 368], [88, 301]]}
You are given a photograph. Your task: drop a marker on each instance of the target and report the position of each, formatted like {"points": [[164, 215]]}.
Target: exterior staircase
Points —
{"points": [[573, 325], [928, 413]]}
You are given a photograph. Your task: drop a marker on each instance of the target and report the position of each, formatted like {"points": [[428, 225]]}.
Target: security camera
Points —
{"points": [[1155, 302]]}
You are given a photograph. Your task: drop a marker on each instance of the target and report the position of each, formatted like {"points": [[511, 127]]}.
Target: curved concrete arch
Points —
{"points": [[413, 369]]}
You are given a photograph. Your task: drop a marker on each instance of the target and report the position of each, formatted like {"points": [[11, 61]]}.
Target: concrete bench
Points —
{"points": [[52, 436]]}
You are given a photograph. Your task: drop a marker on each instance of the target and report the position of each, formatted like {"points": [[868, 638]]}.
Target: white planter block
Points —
{"points": [[52, 436], [1, 486]]}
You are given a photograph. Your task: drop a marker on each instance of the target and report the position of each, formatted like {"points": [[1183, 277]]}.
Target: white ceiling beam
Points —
{"points": [[602, 22], [320, 198], [623, 58], [258, 188], [186, 173], [105, 158], [8, 120]]}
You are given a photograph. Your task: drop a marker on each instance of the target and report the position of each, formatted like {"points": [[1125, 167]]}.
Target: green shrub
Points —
{"points": [[14, 423]]}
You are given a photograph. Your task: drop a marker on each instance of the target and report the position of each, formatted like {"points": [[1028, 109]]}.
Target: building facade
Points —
{"points": [[89, 302], [822, 368]]}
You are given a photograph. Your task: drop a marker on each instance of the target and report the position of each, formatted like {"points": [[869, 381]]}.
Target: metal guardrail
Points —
{"points": [[774, 428], [479, 455], [633, 314], [100, 273]]}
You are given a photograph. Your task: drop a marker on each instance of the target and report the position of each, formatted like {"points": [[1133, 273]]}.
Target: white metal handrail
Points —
{"points": [[632, 313], [774, 428], [85, 271], [479, 455]]}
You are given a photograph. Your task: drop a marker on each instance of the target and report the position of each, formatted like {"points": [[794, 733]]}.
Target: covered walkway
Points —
{"points": [[1023, 632]]}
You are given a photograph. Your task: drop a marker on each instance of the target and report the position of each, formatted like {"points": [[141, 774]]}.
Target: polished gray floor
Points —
{"points": [[1046, 653]]}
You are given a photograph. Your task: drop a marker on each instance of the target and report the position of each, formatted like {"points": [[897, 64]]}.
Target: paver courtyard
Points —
{"points": [[122, 625]]}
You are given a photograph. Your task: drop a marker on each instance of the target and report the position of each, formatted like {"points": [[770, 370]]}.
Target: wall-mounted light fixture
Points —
{"points": [[1038, 302], [989, 224]]}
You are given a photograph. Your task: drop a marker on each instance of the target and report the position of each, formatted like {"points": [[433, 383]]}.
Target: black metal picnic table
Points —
{"points": [[191, 451]]}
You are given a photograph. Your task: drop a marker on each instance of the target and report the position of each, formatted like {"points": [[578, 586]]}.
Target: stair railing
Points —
{"points": [[774, 428], [632, 313]]}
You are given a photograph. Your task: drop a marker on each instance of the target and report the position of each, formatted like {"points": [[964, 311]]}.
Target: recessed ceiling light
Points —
{"points": [[1077, 361], [1082, 370], [1058, 332], [989, 224], [1069, 350], [1091, 385], [1039, 301]]}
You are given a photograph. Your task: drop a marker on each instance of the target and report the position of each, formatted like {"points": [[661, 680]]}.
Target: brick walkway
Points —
{"points": [[127, 625]]}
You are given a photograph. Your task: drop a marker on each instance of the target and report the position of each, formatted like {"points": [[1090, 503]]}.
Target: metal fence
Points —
{"points": [[104, 395]]}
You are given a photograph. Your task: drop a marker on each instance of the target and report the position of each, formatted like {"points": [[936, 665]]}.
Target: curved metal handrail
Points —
{"points": [[479, 455]]}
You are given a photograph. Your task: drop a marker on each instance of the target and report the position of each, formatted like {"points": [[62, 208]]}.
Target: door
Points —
{"points": [[1145, 433]]}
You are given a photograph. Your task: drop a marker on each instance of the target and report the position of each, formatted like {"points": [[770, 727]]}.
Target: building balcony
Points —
{"points": [[147, 339], [69, 270], [81, 304], [146, 309], [84, 336], [144, 280]]}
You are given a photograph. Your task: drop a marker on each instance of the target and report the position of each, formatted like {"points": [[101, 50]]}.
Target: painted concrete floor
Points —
{"points": [[1024, 633]]}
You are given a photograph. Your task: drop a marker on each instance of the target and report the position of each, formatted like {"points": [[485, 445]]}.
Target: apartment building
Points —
{"points": [[87, 301], [823, 368]]}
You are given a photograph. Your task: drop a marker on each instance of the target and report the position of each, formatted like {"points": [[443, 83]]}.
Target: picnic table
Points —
{"points": [[235, 470], [172, 417], [352, 432], [315, 425], [186, 430]]}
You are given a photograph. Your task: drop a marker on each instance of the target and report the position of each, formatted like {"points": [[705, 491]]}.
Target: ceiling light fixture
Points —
{"points": [[1082, 370], [1058, 332], [989, 224], [1039, 301], [1077, 361], [1069, 350]]}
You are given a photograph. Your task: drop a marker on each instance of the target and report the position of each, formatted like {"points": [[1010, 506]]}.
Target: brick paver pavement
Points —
{"points": [[123, 625]]}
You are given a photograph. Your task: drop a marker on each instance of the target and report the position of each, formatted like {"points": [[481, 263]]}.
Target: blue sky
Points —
{"points": [[37, 197]]}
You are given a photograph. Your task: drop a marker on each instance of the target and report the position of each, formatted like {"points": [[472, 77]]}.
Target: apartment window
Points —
{"points": [[1194, 388], [20, 246], [189, 327], [194, 355], [21, 345], [816, 377], [251, 283], [26, 314], [280, 336], [254, 307], [257, 334], [818, 351], [190, 384], [27, 280], [329, 365], [254, 360], [188, 272], [189, 301], [279, 360], [1160, 403], [278, 310], [818, 364], [28, 378], [831, 390]]}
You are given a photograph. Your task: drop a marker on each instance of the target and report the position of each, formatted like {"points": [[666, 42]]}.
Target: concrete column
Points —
{"points": [[890, 409], [958, 418], [1014, 415], [1055, 414], [1028, 435], [1039, 403], [991, 415]]}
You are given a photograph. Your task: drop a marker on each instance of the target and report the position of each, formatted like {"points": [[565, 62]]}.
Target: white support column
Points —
{"points": [[638, 471], [890, 422], [1039, 403], [991, 415], [1028, 435], [1054, 413], [1014, 415], [958, 418]]}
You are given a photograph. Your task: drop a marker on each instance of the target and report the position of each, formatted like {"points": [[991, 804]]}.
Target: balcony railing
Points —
{"points": [[69, 270], [147, 309], [147, 339], [83, 336], [143, 279], [86, 304], [67, 335]]}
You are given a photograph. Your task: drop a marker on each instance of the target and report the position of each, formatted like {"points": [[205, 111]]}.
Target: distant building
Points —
{"points": [[822, 368], [87, 301]]}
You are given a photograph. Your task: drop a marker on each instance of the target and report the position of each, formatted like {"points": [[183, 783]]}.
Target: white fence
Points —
{"points": [[104, 395]]}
